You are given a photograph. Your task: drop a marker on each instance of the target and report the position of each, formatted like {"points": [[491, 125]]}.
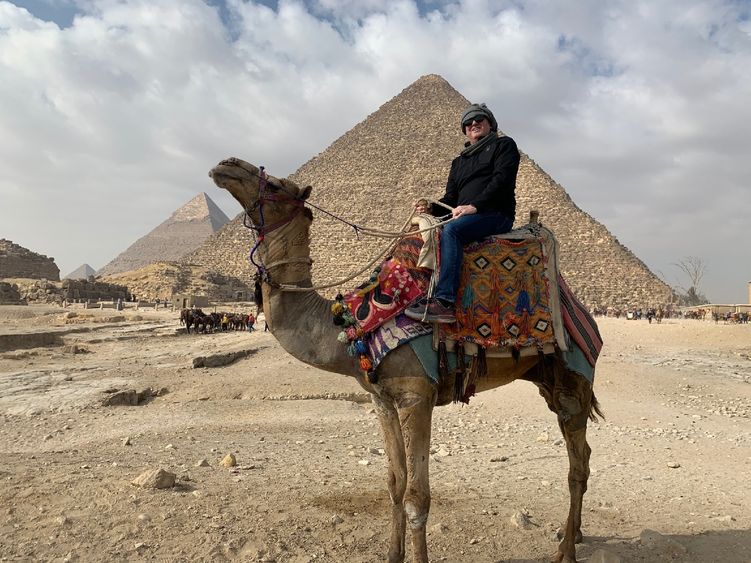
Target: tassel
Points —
{"points": [[471, 379], [515, 354], [365, 363], [443, 361], [360, 347], [482, 362], [459, 373]]}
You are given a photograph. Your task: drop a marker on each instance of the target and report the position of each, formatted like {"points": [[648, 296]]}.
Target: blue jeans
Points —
{"points": [[455, 235]]}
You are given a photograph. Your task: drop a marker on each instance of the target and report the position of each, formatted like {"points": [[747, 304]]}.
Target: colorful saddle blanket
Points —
{"points": [[510, 301]]}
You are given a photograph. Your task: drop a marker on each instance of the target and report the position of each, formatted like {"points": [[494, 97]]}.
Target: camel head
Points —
{"points": [[281, 197]]}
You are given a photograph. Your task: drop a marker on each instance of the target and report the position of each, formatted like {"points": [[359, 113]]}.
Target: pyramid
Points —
{"points": [[17, 261], [372, 174], [81, 273], [186, 229]]}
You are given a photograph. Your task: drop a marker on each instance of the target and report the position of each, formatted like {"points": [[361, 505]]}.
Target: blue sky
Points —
{"points": [[111, 111]]}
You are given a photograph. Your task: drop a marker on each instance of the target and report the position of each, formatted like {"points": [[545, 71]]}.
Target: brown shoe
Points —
{"points": [[434, 312]]}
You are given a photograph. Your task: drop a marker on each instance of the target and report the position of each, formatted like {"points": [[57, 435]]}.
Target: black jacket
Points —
{"points": [[486, 180]]}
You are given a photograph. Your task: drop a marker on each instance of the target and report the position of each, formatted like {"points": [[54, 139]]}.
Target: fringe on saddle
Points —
{"points": [[465, 379]]}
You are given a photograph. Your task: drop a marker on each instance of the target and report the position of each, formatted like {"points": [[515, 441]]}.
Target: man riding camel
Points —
{"points": [[481, 188]]}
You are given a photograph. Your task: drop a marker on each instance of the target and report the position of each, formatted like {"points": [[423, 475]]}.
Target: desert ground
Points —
{"points": [[671, 464]]}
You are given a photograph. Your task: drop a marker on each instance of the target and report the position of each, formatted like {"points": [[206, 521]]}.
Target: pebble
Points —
{"points": [[169, 447], [143, 517], [521, 520], [202, 463], [336, 519], [126, 441], [498, 458], [543, 437], [673, 464], [228, 461], [364, 462]]}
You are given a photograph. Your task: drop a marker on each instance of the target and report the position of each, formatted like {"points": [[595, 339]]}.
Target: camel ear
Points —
{"points": [[306, 193], [289, 186]]}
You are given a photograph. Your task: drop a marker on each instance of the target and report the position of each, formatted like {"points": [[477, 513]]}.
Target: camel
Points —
{"points": [[404, 398]]}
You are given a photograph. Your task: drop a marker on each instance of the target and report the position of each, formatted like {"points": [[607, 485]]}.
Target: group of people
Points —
{"points": [[217, 322]]}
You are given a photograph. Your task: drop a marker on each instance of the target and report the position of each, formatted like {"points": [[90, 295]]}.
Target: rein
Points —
{"points": [[261, 230]]}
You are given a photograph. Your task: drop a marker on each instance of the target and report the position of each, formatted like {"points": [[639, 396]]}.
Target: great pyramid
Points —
{"points": [[81, 273], [373, 173], [186, 229]]}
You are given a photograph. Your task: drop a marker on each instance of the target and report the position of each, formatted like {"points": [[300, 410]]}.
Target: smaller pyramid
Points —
{"points": [[185, 230], [19, 262], [81, 273]]}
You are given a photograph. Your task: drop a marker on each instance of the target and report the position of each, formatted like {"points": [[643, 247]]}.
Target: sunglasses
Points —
{"points": [[476, 119]]}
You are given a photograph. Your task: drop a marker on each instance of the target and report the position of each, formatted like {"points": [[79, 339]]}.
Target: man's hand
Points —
{"points": [[462, 210], [421, 206]]}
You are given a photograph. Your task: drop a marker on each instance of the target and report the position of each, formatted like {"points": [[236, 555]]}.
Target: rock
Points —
{"points": [[122, 398], [221, 359], [336, 519], [169, 447], [74, 349], [543, 437], [498, 459], [521, 520], [364, 462], [144, 518], [126, 441], [603, 556], [228, 461], [439, 528], [155, 479], [673, 464], [202, 463]]}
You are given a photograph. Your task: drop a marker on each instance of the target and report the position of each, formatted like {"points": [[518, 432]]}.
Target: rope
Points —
{"points": [[391, 236]]}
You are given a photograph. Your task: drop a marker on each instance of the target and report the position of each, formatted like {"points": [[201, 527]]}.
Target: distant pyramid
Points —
{"points": [[373, 173], [185, 230], [81, 273]]}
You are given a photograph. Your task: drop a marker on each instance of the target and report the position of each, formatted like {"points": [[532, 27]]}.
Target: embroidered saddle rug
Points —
{"points": [[511, 301]]}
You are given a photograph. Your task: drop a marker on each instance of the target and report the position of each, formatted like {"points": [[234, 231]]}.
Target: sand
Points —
{"points": [[671, 464]]}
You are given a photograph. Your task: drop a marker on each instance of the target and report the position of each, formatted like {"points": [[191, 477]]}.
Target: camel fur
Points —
{"points": [[403, 396]]}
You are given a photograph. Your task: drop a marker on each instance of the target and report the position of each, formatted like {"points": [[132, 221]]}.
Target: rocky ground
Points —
{"points": [[671, 465]]}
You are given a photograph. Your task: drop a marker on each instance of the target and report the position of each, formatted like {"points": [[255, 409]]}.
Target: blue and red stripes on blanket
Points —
{"points": [[580, 325]]}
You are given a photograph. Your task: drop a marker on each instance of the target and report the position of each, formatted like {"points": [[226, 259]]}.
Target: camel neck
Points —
{"points": [[300, 320]]}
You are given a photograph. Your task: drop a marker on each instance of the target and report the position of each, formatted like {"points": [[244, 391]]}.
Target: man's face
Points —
{"points": [[476, 130]]}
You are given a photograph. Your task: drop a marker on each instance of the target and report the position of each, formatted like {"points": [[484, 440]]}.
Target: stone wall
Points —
{"points": [[73, 290], [19, 262]]}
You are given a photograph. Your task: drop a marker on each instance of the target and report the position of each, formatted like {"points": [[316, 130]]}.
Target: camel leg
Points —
{"points": [[572, 419], [415, 408], [397, 475]]}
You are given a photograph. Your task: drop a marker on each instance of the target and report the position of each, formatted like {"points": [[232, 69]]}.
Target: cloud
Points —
{"points": [[111, 120]]}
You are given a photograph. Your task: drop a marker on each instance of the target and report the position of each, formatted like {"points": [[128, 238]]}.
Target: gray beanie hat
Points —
{"points": [[474, 110]]}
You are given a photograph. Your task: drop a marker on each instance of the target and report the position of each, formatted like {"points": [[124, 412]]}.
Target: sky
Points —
{"points": [[113, 111]]}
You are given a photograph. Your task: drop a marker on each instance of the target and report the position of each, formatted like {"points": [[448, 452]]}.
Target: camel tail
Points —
{"points": [[595, 412]]}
